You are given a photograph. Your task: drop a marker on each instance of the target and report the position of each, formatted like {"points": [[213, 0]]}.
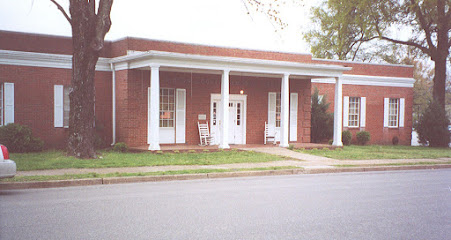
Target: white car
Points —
{"points": [[7, 166]]}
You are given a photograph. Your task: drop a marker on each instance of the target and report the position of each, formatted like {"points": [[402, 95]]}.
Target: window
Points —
{"points": [[66, 106], [238, 114], [393, 112], [278, 109], [214, 113], [167, 107], [1, 104], [354, 110], [61, 106]]}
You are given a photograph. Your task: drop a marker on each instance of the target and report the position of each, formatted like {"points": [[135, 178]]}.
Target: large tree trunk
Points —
{"points": [[440, 56], [88, 32], [440, 81]]}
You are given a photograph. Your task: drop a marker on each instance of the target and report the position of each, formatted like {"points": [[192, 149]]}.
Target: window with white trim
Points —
{"points": [[214, 113], [354, 112], [393, 112], [66, 106], [1, 104], [61, 105], [278, 109], [167, 107]]}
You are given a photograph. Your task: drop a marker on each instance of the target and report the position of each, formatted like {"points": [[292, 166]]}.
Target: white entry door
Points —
{"points": [[235, 122], [237, 118]]}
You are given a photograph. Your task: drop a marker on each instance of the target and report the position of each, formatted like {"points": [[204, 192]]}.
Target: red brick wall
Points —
{"points": [[132, 119], [34, 95], [371, 69], [120, 48], [40, 43], [375, 110]]}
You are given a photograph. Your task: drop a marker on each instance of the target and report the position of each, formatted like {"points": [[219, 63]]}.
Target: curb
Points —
{"points": [[161, 178]]}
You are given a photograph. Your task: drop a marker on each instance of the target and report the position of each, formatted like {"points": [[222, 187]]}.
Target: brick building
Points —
{"points": [[154, 92]]}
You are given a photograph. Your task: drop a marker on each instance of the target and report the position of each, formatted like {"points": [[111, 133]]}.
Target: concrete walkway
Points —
{"points": [[317, 161], [298, 160]]}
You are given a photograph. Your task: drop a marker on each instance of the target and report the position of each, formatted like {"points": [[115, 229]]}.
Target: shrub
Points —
{"points": [[346, 137], [120, 147], [432, 127], [291, 146], [322, 122], [18, 138], [395, 140], [363, 137]]}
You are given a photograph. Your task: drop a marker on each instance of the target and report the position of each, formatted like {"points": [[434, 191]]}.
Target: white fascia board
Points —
{"points": [[180, 60], [32, 59], [371, 81]]}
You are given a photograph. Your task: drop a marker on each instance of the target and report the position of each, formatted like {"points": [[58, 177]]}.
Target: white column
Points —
{"points": [[224, 141], [284, 101], [338, 112], [153, 126]]}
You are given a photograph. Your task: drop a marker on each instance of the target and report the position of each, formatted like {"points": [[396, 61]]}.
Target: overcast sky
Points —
{"points": [[211, 22]]}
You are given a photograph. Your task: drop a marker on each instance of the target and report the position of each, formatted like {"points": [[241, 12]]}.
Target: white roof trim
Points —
{"points": [[192, 61], [370, 81], [169, 60], [33, 59]]}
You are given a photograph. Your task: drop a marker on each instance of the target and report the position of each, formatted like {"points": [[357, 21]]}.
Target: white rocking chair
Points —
{"points": [[204, 134], [269, 135]]}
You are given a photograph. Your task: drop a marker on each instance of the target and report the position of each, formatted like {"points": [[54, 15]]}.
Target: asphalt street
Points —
{"points": [[375, 205]]}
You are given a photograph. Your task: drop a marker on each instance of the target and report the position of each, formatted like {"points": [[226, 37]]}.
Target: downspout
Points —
{"points": [[113, 103]]}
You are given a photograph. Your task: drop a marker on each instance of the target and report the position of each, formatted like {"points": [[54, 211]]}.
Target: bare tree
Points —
{"points": [[89, 27]]}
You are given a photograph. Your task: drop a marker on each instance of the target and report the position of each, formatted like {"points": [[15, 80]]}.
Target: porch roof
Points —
{"points": [[170, 61]]}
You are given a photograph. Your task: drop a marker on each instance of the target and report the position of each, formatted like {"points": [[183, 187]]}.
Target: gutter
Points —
{"points": [[113, 103]]}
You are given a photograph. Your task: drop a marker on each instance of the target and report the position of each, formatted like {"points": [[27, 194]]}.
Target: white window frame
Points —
{"points": [[164, 109], [61, 106], [278, 110], [66, 106], [393, 113], [354, 112]]}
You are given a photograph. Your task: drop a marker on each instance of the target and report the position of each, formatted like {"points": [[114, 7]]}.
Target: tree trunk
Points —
{"points": [[440, 81], [441, 54], [84, 60]]}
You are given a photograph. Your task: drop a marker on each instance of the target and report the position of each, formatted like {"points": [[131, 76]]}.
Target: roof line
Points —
{"points": [[210, 45], [365, 63]]}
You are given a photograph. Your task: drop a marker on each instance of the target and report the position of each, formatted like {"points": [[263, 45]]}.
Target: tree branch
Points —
{"points": [[425, 26], [103, 24], [409, 43], [62, 10]]}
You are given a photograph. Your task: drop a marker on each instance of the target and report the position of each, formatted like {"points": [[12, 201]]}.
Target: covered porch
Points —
{"points": [[219, 115]]}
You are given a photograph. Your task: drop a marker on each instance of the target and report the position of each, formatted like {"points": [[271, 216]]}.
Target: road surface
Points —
{"points": [[377, 205]]}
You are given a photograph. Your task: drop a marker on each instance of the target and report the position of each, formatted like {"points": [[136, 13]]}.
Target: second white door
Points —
{"points": [[235, 122]]}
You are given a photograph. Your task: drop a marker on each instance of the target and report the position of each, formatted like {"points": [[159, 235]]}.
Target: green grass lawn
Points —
{"points": [[107, 175], [58, 159], [354, 152]]}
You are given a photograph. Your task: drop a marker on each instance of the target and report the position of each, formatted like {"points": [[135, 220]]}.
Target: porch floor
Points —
{"points": [[213, 148]]}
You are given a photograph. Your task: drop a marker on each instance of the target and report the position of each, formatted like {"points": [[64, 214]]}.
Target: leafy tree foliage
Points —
{"points": [[89, 27], [344, 25], [433, 126], [322, 121]]}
